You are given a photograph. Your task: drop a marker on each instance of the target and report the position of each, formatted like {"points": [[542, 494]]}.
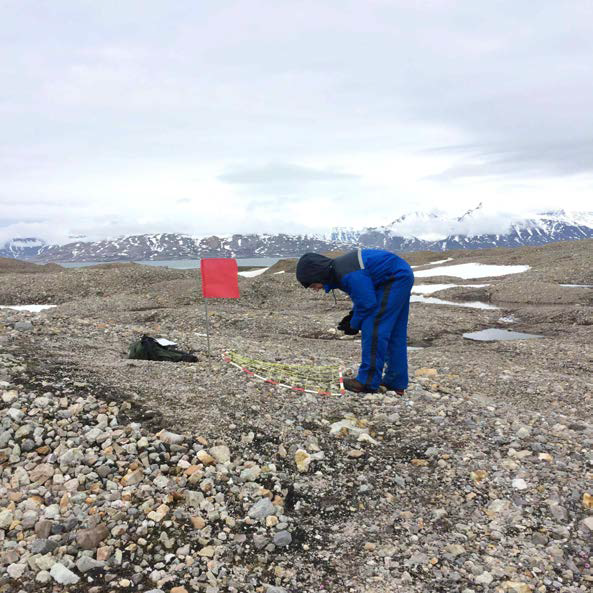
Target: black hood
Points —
{"points": [[313, 267]]}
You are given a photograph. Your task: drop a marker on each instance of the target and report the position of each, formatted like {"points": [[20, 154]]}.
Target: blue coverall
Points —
{"points": [[379, 284]]}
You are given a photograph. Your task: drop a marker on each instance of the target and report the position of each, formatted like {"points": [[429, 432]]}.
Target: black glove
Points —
{"points": [[344, 325]]}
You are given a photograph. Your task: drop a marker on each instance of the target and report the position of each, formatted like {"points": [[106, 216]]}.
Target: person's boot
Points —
{"points": [[356, 386], [384, 387]]}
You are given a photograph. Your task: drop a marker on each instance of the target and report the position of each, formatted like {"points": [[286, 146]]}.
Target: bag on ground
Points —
{"points": [[148, 348]]}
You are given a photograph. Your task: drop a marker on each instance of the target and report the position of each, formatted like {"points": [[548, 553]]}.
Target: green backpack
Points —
{"points": [[148, 348]]}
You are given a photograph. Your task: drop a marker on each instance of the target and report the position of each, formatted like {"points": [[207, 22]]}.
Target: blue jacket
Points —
{"points": [[359, 273]]}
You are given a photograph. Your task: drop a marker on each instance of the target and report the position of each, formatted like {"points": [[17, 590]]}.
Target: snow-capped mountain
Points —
{"points": [[435, 231], [477, 229], [22, 248], [165, 246]]}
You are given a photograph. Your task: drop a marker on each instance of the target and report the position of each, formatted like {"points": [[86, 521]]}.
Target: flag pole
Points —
{"points": [[207, 326]]}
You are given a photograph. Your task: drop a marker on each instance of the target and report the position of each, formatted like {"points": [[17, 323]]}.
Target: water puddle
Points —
{"points": [[434, 301], [494, 334]]}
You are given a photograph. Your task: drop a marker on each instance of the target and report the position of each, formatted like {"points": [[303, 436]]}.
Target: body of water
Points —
{"points": [[183, 264], [493, 334]]}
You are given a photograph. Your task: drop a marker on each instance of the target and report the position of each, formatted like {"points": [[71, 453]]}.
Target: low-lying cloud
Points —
{"points": [[285, 174]]}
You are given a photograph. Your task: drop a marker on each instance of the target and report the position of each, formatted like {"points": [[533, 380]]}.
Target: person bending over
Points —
{"points": [[379, 284]]}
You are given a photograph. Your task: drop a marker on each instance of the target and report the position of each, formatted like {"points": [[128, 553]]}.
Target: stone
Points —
{"points": [[43, 546], [261, 509], [417, 559], [260, 541], [159, 514], [86, 563], [5, 437], [484, 579], [104, 553], [15, 571], [250, 474], [519, 484], [45, 562], [205, 458], [424, 372], [43, 577], [23, 431], [133, 477], [588, 523], [198, 522], [71, 457], [559, 512], [478, 475], [207, 552], [43, 528], [89, 539], [161, 482], [6, 518], [179, 590], [455, 550], [302, 460], [41, 473], [23, 326], [169, 438], [355, 453], [587, 500], [282, 538], [221, 453], [93, 434], [63, 575], [29, 519], [348, 426], [516, 587], [206, 485], [498, 505]]}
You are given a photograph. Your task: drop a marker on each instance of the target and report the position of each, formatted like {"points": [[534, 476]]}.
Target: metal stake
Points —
{"points": [[207, 326]]}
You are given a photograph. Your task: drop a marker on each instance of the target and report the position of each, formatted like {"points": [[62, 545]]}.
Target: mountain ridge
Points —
{"points": [[416, 231]]}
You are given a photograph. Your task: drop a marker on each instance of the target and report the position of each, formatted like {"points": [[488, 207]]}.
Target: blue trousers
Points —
{"points": [[384, 335]]}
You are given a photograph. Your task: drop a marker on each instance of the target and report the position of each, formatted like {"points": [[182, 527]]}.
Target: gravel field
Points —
{"points": [[125, 475]]}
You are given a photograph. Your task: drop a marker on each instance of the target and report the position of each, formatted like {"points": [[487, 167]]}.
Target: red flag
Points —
{"points": [[220, 278]]}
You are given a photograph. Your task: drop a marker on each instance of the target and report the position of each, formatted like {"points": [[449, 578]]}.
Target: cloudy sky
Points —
{"points": [[223, 116]]}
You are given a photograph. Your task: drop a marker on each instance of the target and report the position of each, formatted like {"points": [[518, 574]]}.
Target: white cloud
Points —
{"points": [[219, 116]]}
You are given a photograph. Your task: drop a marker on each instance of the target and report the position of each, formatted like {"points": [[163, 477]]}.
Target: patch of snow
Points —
{"points": [[578, 285], [430, 288], [435, 301], [434, 263], [472, 270], [508, 319], [165, 342], [30, 308], [253, 273], [281, 272]]}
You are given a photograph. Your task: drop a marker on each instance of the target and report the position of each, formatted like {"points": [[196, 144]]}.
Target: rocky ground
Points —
{"points": [[121, 475]]}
